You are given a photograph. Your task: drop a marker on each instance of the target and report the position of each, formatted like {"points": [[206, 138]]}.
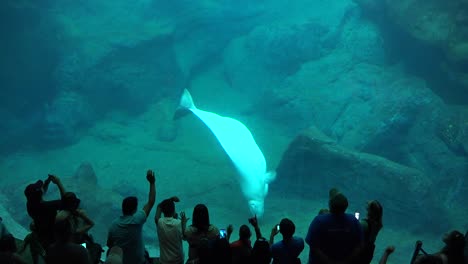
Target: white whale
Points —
{"points": [[239, 144]]}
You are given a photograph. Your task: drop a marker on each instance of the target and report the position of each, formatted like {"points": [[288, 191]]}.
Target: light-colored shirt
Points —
{"points": [[126, 232], [170, 240]]}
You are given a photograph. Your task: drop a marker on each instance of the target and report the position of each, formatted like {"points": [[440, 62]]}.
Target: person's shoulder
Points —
{"points": [[277, 245], [236, 244], [140, 216], [322, 218], [298, 240], [190, 230], [213, 231]]}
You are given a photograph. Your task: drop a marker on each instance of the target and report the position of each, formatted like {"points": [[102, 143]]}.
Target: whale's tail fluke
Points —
{"points": [[186, 104]]}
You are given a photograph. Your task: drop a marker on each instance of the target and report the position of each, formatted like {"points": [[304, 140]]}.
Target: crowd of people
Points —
{"points": [[60, 234]]}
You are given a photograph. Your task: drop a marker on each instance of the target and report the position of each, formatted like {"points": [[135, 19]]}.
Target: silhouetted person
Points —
{"points": [[126, 231], [371, 226], [454, 247], [287, 250], [44, 212], [63, 250], [8, 247], [242, 248], [80, 221], [261, 252], [170, 232], [201, 232], [35, 247], [334, 237]]}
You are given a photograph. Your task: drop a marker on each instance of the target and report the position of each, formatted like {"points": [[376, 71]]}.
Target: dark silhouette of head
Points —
{"points": [[261, 252], [338, 203], [129, 205], [70, 201], [200, 217], [287, 228], [244, 232], [374, 210], [168, 208], [454, 240], [34, 191]]}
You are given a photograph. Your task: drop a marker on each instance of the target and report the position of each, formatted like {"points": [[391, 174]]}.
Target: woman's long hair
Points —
{"points": [[201, 218]]}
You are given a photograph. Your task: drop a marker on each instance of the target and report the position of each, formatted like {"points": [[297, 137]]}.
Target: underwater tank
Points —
{"points": [[290, 99]]}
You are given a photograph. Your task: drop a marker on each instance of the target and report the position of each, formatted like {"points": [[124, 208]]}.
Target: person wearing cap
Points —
{"points": [[336, 236], [43, 212], [288, 250]]}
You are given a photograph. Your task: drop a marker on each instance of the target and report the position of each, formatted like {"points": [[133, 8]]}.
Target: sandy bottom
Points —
{"points": [[193, 167]]}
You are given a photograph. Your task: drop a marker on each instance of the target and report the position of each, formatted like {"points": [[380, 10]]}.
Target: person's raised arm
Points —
{"points": [[157, 216], [183, 220], [88, 223], [229, 230], [253, 221], [152, 192], [389, 250], [274, 232], [56, 180]]}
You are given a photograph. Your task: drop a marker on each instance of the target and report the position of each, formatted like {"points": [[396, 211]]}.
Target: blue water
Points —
{"points": [[99, 81]]}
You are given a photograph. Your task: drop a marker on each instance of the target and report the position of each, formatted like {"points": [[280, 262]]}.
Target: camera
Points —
{"points": [[277, 227], [83, 245], [222, 233]]}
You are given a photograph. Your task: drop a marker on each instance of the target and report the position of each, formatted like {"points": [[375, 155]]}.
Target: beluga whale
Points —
{"points": [[239, 144]]}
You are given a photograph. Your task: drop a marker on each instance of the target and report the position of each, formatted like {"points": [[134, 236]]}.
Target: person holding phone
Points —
{"points": [[289, 249], [44, 212]]}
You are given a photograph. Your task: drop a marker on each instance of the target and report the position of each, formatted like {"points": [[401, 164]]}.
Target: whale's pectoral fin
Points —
{"points": [[270, 176]]}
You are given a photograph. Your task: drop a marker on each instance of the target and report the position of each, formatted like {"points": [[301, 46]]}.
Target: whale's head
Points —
{"points": [[257, 207]]}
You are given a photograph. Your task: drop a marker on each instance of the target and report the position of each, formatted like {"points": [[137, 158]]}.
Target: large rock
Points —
{"points": [[319, 163], [437, 26]]}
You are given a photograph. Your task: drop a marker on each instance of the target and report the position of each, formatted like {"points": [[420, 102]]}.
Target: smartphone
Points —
{"points": [[83, 245], [356, 214], [277, 228], [222, 233]]}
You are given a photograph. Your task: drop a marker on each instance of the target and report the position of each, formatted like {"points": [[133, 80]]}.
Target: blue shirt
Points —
{"points": [[336, 235], [286, 252], [126, 232]]}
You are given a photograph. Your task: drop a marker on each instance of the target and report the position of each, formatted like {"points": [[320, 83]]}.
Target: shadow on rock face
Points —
{"points": [[314, 163]]}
